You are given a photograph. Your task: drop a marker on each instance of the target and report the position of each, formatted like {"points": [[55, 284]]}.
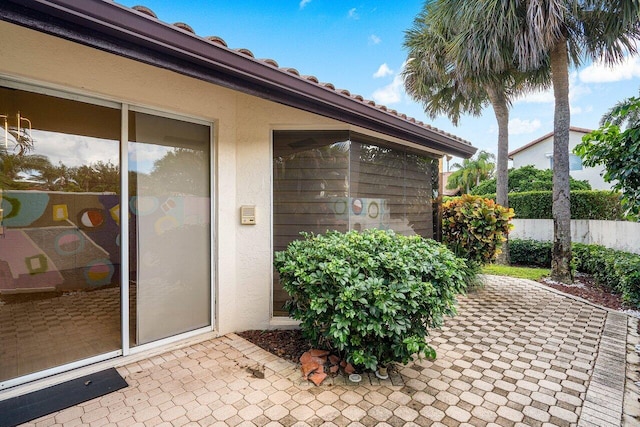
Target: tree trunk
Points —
{"points": [[561, 209], [501, 111]]}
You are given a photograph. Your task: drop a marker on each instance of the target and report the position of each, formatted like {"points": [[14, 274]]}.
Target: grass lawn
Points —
{"points": [[513, 271]]}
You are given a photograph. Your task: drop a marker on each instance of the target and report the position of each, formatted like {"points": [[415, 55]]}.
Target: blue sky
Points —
{"points": [[357, 45]]}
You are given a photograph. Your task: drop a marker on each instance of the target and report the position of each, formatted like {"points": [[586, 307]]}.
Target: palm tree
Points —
{"points": [[447, 85], [623, 114], [495, 33], [472, 171], [462, 177]]}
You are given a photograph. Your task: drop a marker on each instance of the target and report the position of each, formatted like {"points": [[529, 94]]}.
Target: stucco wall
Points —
{"points": [[538, 156], [242, 172], [621, 235]]}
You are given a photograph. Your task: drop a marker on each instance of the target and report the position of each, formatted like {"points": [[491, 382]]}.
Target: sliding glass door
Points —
{"points": [[59, 232], [61, 223], [170, 226]]}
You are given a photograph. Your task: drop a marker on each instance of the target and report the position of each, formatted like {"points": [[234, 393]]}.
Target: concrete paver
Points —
{"points": [[516, 354]]}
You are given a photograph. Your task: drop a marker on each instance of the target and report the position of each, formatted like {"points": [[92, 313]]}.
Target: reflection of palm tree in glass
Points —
{"points": [[35, 171], [181, 171]]}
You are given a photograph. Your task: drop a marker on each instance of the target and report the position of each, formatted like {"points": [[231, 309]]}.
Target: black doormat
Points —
{"points": [[39, 403]]}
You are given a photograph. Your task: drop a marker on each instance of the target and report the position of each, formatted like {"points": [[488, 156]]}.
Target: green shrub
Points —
{"points": [[603, 205], [528, 178], [475, 228], [371, 295], [618, 271], [530, 252]]}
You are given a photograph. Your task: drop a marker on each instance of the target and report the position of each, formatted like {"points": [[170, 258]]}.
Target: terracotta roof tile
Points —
{"points": [[145, 10], [184, 26], [215, 40], [290, 70], [244, 51]]}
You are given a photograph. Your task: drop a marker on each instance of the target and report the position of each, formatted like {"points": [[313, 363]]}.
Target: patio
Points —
{"points": [[517, 353]]}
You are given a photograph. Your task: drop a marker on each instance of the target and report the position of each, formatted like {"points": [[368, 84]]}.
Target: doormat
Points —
{"points": [[39, 403]]}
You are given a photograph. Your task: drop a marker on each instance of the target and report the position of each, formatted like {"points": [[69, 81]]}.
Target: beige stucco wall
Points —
{"points": [[242, 171], [242, 143]]}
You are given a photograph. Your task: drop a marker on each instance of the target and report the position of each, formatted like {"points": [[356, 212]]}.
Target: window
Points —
{"points": [[575, 162], [340, 180]]}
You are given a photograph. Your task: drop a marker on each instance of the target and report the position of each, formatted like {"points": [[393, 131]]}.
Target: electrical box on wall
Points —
{"points": [[248, 215]]}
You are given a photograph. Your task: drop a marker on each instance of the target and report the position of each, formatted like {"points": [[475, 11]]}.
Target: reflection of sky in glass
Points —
{"points": [[74, 150], [142, 156], [77, 150]]}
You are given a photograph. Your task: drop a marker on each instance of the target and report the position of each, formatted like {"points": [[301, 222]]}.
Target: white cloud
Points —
{"points": [[598, 72], [391, 93], [519, 126], [353, 14], [373, 39], [383, 71], [576, 90], [538, 97], [303, 3]]}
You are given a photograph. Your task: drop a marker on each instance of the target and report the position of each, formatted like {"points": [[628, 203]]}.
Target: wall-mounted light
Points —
{"points": [[21, 132]]}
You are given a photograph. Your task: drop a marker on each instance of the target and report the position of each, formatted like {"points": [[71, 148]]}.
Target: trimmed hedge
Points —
{"points": [[530, 252], [618, 271], [585, 204]]}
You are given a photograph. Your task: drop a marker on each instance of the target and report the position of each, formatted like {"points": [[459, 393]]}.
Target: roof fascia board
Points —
{"points": [[116, 29]]}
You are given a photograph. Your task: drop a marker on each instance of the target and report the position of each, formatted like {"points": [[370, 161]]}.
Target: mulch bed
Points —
{"points": [[290, 344], [585, 286], [286, 343]]}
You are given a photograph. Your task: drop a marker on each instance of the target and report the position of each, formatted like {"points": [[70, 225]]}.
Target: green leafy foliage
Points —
{"points": [[475, 228], [589, 204], [471, 172], [618, 271], [530, 252], [371, 295], [619, 152], [528, 178]]}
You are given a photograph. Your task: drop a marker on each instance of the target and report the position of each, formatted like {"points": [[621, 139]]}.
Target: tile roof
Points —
{"points": [[138, 34], [219, 42]]}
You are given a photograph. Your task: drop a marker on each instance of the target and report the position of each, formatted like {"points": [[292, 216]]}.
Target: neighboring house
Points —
{"points": [[539, 153], [227, 158]]}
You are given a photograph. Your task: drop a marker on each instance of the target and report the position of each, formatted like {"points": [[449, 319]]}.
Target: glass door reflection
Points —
{"points": [[59, 232], [170, 245]]}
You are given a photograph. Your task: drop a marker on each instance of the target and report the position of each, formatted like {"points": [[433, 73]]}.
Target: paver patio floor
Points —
{"points": [[516, 354]]}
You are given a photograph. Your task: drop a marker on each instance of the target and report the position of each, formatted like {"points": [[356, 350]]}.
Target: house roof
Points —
{"points": [[136, 33], [544, 137]]}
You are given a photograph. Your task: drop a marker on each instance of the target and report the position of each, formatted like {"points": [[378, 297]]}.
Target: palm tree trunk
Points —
{"points": [[501, 111], [561, 209]]}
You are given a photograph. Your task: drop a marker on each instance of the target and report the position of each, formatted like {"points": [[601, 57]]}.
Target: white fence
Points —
{"points": [[621, 235]]}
